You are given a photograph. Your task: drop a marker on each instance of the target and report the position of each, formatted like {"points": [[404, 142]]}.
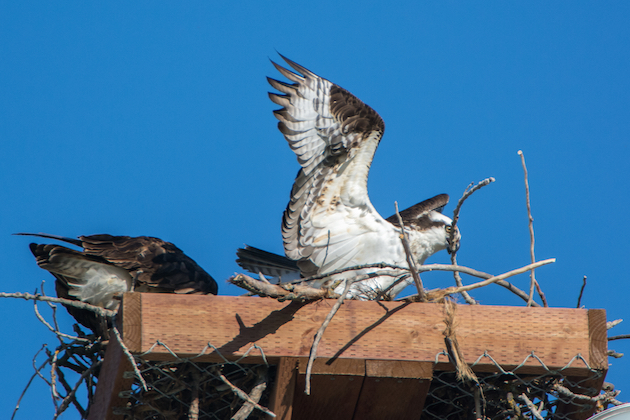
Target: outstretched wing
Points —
{"points": [[329, 221], [156, 265]]}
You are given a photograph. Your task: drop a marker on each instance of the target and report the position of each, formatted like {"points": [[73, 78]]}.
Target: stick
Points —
{"points": [[28, 384], [66, 401], [581, 291], [467, 193], [77, 304], [533, 283], [619, 337], [320, 333], [440, 293], [242, 395], [129, 356], [254, 395], [531, 406], [284, 291], [410, 262]]}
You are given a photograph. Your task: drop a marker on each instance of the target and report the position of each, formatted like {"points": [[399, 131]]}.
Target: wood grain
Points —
{"points": [[360, 330]]}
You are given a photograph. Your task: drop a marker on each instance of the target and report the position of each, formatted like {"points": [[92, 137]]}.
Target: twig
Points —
{"points": [[531, 406], [467, 193], [320, 333], [284, 291], [54, 330], [581, 291], [534, 283], [611, 324], [66, 401], [193, 411], [53, 379], [612, 353], [129, 356], [619, 337], [77, 304], [410, 261], [28, 384], [242, 395], [254, 395], [607, 396], [440, 293], [348, 269], [68, 388], [475, 273]]}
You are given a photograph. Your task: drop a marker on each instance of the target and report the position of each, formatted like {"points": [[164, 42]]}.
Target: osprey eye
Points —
{"points": [[448, 228]]}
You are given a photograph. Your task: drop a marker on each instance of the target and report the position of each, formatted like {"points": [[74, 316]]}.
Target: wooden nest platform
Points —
{"points": [[377, 360]]}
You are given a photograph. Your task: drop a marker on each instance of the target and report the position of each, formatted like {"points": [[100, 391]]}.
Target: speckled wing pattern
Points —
{"points": [[155, 265], [330, 222], [109, 265]]}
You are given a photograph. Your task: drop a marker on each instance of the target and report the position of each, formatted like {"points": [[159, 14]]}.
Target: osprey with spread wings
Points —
{"points": [[330, 223]]}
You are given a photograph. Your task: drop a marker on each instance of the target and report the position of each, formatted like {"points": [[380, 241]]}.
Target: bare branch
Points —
{"points": [[129, 356], [619, 337], [254, 395], [278, 291], [408, 256], [320, 333], [348, 269], [475, 273], [440, 293], [611, 324], [534, 283], [467, 193], [71, 396], [531, 406], [56, 331], [28, 384], [581, 292], [242, 395], [77, 304]]}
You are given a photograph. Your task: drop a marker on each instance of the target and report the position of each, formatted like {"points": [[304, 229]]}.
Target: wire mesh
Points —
{"points": [[177, 388], [184, 388], [516, 393]]}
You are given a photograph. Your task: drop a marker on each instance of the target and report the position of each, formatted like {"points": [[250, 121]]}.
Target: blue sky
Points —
{"points": [[150, 119]]}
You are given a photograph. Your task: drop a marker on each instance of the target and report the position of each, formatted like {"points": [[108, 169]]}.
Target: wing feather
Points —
{"points": [[329, 222]]}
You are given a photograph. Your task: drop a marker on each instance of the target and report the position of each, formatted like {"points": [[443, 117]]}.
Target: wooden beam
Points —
{"points": [[111, 382], [360, 330], [281, 397], [598, 360], [394, 390], [335, 389]]}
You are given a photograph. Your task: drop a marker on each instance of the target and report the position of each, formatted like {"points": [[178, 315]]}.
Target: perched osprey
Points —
{"points": [[110, 265], [330, 223]]}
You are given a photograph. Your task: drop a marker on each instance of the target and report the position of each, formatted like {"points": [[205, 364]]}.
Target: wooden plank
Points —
{"points": [[362, 330], [131, 314], [394, 390], [335, 389], [281, 397], [598, 360], [598, 338], [110, 383]]}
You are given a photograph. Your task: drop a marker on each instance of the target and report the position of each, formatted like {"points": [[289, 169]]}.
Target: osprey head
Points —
{"points": [[449, 236], [432, 230]]}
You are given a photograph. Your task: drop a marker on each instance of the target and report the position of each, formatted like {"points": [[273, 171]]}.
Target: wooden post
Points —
{"points": [[111, 382]]}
